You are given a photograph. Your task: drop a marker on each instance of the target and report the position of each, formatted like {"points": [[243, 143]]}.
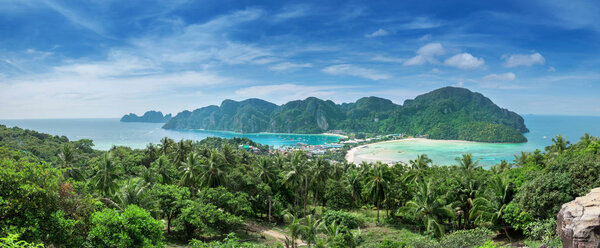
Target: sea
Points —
{"points": [[110, 132]]}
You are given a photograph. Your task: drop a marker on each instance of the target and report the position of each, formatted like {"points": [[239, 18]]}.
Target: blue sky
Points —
{"points": [[71, 59]]}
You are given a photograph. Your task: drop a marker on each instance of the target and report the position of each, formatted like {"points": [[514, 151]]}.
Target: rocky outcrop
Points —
{"points": [[578, 222]]}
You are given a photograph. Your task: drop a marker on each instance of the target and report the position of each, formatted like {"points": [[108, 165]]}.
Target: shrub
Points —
{"points": [[489, 244], [342, 218], [543, 230], [466, 238], [231, 241], [12, 241], [132, 228], [338, 195]]}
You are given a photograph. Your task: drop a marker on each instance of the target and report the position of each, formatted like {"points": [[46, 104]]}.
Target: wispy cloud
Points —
{"points": [[509, 76], [378, 33], [388, 59], [286, 66], [282, 93], [515, 60], [357, 71], [422, 23], [291, 12]]}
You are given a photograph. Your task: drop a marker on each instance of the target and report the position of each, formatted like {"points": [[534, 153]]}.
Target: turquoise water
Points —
{"points": [[108, 132], [542, 130]]}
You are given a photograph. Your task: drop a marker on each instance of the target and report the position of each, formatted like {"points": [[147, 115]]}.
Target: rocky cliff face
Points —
{"points": [[578, 222]]}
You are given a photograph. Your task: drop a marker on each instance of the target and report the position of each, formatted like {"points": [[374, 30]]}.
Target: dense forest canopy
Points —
{"points": [[63, 193], [446, 113], [149, 116]]}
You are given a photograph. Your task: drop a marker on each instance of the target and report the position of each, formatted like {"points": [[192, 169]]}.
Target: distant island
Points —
{"points": [[149, 116], [448, 113]]}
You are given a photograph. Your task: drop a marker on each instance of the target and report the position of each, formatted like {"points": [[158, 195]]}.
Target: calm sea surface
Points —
{"points": [[108, 132]]}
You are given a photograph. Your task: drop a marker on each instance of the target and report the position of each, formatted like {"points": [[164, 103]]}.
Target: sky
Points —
{"points": [[87, 59]]}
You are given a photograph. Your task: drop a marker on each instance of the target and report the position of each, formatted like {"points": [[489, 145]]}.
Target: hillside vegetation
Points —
{"points": [[446, 113], [60, 193]]}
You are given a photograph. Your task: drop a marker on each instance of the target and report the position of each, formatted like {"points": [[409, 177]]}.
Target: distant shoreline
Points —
{"points": [[351, 156], [234, 132]]}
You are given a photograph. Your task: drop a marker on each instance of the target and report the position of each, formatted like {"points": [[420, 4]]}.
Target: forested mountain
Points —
{"points": [[445, 113], [149, 116]]}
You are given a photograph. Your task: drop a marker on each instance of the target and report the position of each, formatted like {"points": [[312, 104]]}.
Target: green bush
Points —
{"points": [[230, 242], [132, 228], [342, 218], [338, 195], [466, 238], [12, 241], [543, 230], [489, 244]]}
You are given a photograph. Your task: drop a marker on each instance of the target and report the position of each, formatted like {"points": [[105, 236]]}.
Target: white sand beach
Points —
{"points": [[383, 155]]}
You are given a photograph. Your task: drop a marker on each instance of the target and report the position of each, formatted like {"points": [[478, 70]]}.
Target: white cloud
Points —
{"points": [[286, 66], [509, 76], [352, 70], [551, 69], [426, 54], [291, 12], [378, 33], [524, 60], [421, 23], [464, 61], [282, 93]]}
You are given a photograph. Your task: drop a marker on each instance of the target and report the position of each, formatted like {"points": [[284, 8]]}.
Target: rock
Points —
{"points": [[578, 223]]}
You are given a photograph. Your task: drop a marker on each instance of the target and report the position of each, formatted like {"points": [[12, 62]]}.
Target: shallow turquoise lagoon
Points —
{"points": [[542, 130]]}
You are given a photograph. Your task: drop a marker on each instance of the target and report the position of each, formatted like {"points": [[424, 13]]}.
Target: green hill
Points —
{"points": [[445, 113]]}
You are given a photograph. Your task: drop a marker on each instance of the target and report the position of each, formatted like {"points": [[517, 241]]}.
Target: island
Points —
{"points": [[150, 116], [449, 113]]}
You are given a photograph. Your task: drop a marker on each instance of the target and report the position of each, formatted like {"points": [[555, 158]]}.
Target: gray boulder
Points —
{"points": [[578, 223]]}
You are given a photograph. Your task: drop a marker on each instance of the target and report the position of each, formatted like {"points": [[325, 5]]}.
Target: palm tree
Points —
{"points": [[296, 176], [501, 167], [150, 154], [294, 228], [560, 144], [376, 186], [165, 146], [488, 209], [190, 172], [105, 178], [354, 181], [212, 168], [181, 150], [430, 208], [319, 174], [228, 155], [267, 174], [266, 170], [310, 229], [521, 159], [467, 165], [66, 158], [163, 168], [418, 170], [134, 192]]}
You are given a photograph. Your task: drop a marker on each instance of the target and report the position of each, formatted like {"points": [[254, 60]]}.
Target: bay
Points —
{"points": [[108, 132], [542, 130]]}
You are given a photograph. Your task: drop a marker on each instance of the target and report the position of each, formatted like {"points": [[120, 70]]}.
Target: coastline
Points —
{"points": [[235, 132], [351, 154]]}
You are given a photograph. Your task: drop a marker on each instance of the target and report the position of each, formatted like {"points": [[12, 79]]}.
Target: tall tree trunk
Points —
{"points": [[269, 208], [305, 192], [169, 225], [378, 212]]}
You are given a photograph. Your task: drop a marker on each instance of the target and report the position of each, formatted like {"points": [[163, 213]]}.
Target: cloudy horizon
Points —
{"points": [[61, 59]]}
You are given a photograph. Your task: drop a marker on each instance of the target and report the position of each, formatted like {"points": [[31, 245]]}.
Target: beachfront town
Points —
{"points": [[343, 142]]}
